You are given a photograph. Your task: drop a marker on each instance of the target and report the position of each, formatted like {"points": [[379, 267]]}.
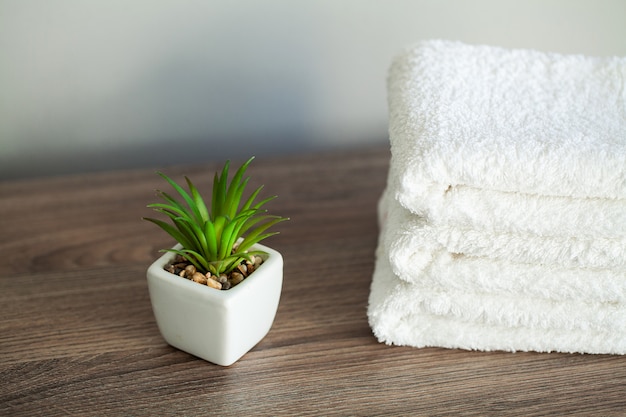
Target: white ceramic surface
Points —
{"points": [[215, 325]]}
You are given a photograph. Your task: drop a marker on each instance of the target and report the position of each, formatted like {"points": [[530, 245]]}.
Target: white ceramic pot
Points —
{"points": [[219, 326]]}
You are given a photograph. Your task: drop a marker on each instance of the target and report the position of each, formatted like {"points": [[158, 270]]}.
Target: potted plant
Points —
{"points": [[216, 292]]}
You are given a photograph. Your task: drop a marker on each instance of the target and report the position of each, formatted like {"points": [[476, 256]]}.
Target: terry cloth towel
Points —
{"points": [[508, 212], [510, 139], [413, 238], [405, 314], [415, 256]]}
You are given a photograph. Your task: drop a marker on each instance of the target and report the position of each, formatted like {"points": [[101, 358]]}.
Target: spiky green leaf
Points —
{"points": [[215, 241]]}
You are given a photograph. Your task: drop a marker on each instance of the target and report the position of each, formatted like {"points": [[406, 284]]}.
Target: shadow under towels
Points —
{"points": [[503, 225]]}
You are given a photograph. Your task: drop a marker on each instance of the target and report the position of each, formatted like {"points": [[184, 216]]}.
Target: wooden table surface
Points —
{"points": [[77, 334]]}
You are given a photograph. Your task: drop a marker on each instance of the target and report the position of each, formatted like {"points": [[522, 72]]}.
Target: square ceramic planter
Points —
{"points": [[219, 326]]}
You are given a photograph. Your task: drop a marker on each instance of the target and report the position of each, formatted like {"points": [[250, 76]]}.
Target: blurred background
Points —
{"points": [[107, 84]]}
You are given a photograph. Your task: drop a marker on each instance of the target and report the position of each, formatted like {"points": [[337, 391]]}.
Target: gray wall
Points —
{"points": [[101, 84]]}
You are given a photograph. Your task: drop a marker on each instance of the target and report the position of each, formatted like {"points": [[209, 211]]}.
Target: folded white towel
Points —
{"points": [[414, 243], [404, 314], [512, 165], [426, 263], [515, 121], [508, 212]]}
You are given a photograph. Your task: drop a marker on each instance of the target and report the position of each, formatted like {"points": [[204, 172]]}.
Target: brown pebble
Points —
{"points": [[199, 278], [243, 269], [190, 269], [222, 279], [236, 278], [226, 285], [213, 283]]}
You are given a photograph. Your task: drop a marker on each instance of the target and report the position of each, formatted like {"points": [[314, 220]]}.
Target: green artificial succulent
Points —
{"points": [[219, 240]]}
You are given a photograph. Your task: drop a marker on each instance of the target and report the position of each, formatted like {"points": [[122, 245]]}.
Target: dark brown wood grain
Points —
{"points": [[77, 334]]}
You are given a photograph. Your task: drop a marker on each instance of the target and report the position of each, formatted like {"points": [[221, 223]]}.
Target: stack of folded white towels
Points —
{"points": [[503, 224]]}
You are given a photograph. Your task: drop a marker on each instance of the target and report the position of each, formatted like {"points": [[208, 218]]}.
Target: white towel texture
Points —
{"points": [[415, 254], [413, 236], [479, 133], [405, 315], [503, 225]]}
